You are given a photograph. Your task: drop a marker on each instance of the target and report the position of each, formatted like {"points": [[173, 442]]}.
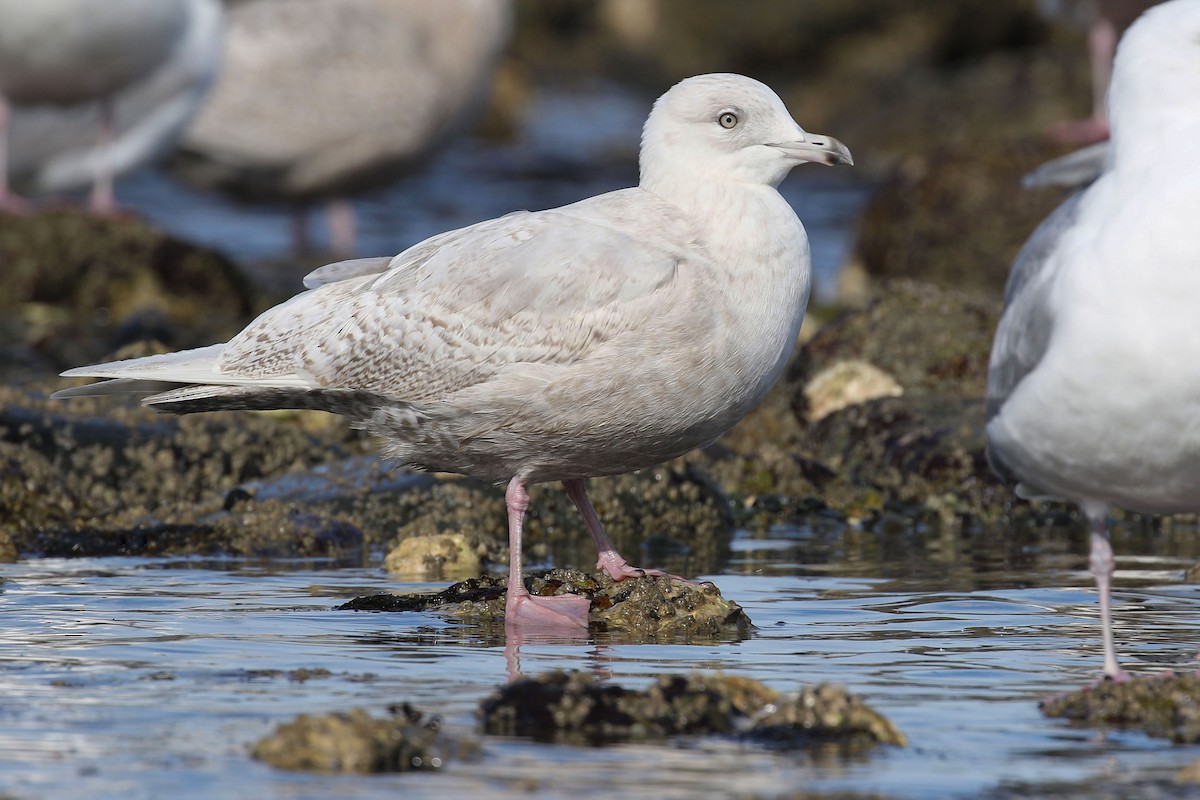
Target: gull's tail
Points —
{"points": [[189, 381]]}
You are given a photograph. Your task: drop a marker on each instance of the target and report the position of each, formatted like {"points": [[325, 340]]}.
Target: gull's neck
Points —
{"points": [[758, 243], [749, 227]]}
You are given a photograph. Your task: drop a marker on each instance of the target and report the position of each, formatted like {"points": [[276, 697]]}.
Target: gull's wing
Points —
{"points": [[540, 288], [1026, 324]]}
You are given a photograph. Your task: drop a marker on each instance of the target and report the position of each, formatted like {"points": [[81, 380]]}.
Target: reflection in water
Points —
{"points": [[158, 674]]}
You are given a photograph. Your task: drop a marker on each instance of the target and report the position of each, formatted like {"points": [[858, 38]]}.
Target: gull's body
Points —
{"points": [[1094, 384], [593, 339], [90, 88]]}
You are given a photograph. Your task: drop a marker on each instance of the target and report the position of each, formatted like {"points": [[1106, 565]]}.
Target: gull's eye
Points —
{"points": [[728, 119]]}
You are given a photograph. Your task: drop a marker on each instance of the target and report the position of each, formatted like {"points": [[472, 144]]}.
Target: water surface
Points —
{"points": [[152, 678]]}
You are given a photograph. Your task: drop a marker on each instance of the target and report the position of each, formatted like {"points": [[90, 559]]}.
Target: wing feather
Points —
{"points": [[529, 288]]}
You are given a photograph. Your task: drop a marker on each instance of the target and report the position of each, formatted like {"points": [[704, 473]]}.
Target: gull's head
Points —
{"points": [[1154, 97], [725, 127]]}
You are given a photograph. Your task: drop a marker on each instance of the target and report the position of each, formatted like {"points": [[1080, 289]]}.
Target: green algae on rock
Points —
{"points": [[572, 707], [354, 741], [1167, 706], [640, 610]]}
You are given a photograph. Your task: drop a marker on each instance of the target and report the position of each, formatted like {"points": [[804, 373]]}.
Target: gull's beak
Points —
{"points": [[817, 147]]}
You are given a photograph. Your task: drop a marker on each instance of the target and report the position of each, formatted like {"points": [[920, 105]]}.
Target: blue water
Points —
{"points": [[152, 678]]}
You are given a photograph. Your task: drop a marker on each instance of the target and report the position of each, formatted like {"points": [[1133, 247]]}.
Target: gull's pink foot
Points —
{"points": [[1120, 676], [619, 569], [1080, 132], [558, 612]]}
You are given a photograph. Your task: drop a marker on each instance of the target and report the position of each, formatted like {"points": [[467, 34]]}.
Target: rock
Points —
{"points": [[573, 707], [104, 477], [75, 288], [847, 383], [824, 712], [354, 741], [639, 609], [8, 550], [1167, 706], [437, 558], [955, 213], [928, 339]]}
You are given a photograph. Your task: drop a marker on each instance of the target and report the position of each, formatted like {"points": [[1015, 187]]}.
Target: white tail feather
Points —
{"points": [[196, 366]]}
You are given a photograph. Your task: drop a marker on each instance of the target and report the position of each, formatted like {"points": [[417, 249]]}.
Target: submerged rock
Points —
{"points": [[1167, 707], [573, 707], [640, 609], [354, 741]]}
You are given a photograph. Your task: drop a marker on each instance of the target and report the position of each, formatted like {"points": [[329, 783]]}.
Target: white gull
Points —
{"points": [[92, 88], [593, 339], [1094, 382]]}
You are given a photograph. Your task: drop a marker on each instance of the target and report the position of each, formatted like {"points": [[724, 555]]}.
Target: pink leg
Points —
{"points": [[521, 609], [339, 215], [610, 560], [1102, 43], [103, 200], [1102, 566], [9, 202]]}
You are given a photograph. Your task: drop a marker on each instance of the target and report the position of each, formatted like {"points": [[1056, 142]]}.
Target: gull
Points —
{"points": [[593, 339], [319, 99], [134, 71], [1094, 380]]}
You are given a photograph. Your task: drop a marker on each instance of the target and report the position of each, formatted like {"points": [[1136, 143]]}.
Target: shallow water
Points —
{"points": [[151, 678]]}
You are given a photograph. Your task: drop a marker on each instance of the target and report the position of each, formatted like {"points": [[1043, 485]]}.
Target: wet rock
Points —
{"points": [[354, 741], [437, 558], [824, 712], [573, 707], [1167, 707], [640, 609], [76, 287]]}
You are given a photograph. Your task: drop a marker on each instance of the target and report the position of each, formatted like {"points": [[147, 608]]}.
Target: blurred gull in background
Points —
{"points": [[323, 98], [93, 88], [1094, 381]]}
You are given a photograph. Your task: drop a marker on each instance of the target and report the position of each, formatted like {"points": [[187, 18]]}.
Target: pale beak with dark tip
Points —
{"points": [[815, 147]]}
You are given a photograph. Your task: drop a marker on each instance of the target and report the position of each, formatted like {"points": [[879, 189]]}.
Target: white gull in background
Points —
{"points": [[93, 88], [319, 99], [1094, 382], [593, 339]]}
